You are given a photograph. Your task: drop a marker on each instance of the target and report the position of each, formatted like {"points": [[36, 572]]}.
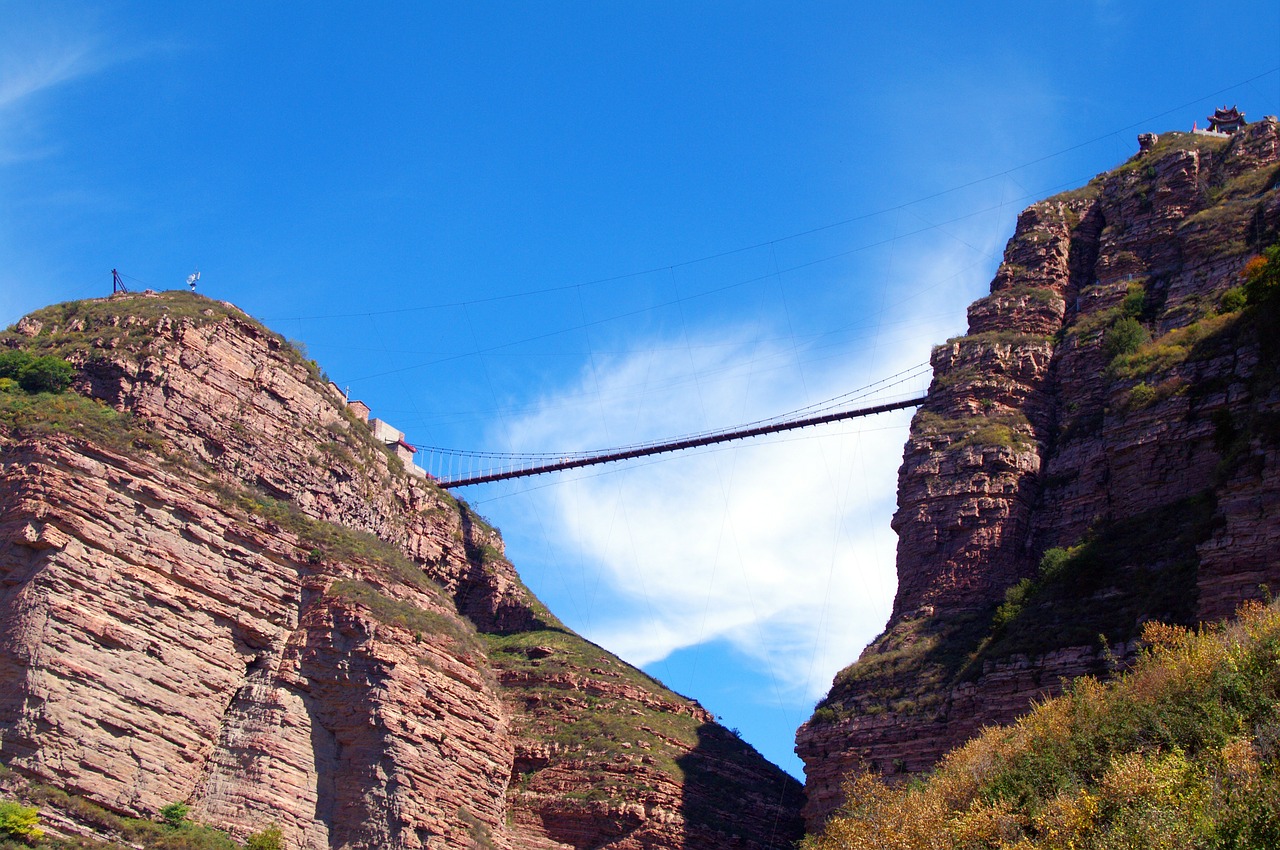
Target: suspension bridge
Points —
{"points": [[452, 468]]}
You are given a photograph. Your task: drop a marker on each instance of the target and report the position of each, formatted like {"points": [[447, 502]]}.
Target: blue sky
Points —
{"points": [[560, 226]]}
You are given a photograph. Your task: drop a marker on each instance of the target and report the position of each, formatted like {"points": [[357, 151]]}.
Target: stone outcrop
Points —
{"points": [[217, 588], [1155, 469]]}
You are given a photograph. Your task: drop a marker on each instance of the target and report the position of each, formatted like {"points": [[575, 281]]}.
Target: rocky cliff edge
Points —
{"points": [[1101, 449]]}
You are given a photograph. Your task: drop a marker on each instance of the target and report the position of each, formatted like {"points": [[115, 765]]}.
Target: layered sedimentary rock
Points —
{"points": [[219, 589], [1147, 471]]}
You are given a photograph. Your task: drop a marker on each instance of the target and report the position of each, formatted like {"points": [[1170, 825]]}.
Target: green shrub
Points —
{"points": [[1122, 574], [187, 836], [12, 362], [175, 814], [46, 374], [824, 714], [1233, 300], [1142, 395], [268, 839], [1175, 347], [1053, 561], [19, 822], [1088, 324], [1131, 306], [1014, 598], [1124, 337]]}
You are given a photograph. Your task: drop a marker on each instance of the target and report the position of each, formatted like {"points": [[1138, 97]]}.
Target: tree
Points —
{"points": [[1262, 276], [46, 375], [1124, 337], [12, 362], [19, 821]]}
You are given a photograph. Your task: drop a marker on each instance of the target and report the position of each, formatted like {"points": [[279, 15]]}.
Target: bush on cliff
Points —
{"points": [[175, 815], [270, 838], [19, 822], [1262, 277], [114, 832], [1181, 752], [47, 374], [1124, 337]]}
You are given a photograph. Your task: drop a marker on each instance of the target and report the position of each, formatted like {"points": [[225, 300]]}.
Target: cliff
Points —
{"points": [[218, 588], [1098, 451]]}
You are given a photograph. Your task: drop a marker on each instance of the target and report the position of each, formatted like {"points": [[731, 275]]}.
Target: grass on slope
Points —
{"points": [[113, 831], [75, 327], [1180, 752], [579, 679], [29, 415]]}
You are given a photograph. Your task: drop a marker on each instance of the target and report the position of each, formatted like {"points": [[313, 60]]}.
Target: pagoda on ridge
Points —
{"points": [[1226, 120]]}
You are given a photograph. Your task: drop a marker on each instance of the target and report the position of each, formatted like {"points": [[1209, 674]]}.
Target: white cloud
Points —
{"points": [[781, 546]]}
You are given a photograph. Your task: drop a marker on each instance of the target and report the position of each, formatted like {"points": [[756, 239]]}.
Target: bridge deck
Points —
{"points": [[611, 456]]}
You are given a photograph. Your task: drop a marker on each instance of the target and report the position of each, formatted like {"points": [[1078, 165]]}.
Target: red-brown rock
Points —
{"points": [[229, 594], [1032, 438]]}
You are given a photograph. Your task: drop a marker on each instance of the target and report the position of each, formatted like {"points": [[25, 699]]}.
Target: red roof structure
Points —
{"points": [[1226, 120]]}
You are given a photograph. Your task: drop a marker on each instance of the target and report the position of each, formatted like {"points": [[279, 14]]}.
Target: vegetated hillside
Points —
{"points": [[1099, 451], [1180, 752], [219, 590]]}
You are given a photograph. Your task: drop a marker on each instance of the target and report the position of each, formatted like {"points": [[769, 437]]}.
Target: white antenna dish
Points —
{"points": [[192, 278]]}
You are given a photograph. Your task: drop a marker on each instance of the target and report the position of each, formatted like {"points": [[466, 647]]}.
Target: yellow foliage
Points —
{"points": [[989, 825], [1254, 268], [1102, 767], [1068, 820], [1239, 767], [1162, 635]]}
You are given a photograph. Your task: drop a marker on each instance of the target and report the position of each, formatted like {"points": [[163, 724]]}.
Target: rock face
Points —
{"points": [[1148, 472], [219, 589]]}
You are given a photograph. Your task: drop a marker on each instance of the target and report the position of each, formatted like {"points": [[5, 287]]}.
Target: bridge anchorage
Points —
{"points": [[453, 468]]}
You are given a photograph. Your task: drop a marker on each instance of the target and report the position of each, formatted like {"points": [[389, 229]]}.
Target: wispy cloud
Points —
{"points": [[780, 547], [44, 47], [22, 76], [36, 58]]}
